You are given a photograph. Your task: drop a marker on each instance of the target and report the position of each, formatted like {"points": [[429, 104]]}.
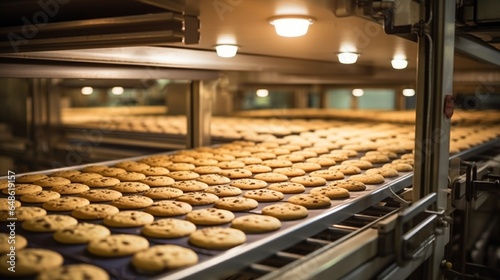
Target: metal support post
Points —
{"points": [[436, 32], [199, 113]]}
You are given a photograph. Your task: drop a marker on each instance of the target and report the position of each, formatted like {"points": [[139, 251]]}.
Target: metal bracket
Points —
{"points": [[408, 238]]}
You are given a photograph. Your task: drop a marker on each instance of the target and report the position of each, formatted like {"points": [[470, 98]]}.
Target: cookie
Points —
{"points": [[163, 193], [223, 191], [132, 166], [400, 167], [118, 245], [30, 178], [287, 187], [129, 218], [264, 195], [94, 211], [82, 177], [189, 186], [7, 240], [51, 182], [101, 195], [293, 158], [234, 164], [349, 185], [23, 213], [132, 202], [285, 211], [210, 216], [180, 159], [328, 175], [236, 173], [180, 166], [388, 154], [156, 162], [376, 158], [207, 170], [322, 161], [67, 203], [155, 171], [111, 171], [198, 198], [290, 171], [75, 271], [101, 182], [392, 148], [256, 223], [305, 154], [362, 164], [250, 160], [168, 208], [240, 153], [368, 179], [39, 197], [271, 177], [338, 157], [65, 173], [279, 151], [346, 169], [407, 156], [94, 168], [307, 166], [249, 184], [183, 175], [213, 179], [49, 223], [277, 163], [69, 189], [130, 187], [330, 192], [409, 161], [222, 157], [8, 204], [168, 228], [4, 184], [131, 176], [384, 171], [22, 189], [310, 201], [309, 181], [204, 162], [164, 257], [31, 261], [291, 147], [264, 155], [81, 233], [258, 168], [217, 238], [158, 181], [236, 204]]}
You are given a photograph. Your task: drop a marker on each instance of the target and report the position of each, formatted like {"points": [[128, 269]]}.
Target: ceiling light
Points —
{"points": [[408, 92], [226, 50], [358, 92], [291, 26], [117, 90], [87, 90], [348, 57], [262, 92], [399, 63]]}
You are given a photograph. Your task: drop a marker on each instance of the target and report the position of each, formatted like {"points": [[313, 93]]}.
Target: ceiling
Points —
{"points": [[310, 59]]}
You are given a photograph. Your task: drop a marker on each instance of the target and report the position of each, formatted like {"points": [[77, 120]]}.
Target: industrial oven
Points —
{"points": [[438, 221]]}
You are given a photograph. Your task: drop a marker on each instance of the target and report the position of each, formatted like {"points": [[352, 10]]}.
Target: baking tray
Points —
{"points": [[220, 264]]}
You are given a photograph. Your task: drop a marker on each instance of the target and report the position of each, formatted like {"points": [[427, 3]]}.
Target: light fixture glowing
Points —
{"points": [[226, 50], [408, 92], [117, 90], [291, 26], [87, 90], [262, 92], [399, 63], [348, 57], [358, 92]]}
